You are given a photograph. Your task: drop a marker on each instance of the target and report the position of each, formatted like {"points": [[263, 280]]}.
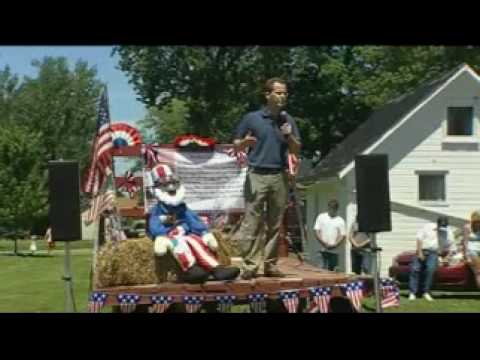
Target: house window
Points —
{"points": [[431, 187], [460, 121]]}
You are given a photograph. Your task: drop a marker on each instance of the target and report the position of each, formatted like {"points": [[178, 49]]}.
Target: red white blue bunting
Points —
{"points": [[258, 303], [160, 303], [354, 291], [193, 303], [320, 299], [225, 302], [290, 300], [97, 302], [128, 302], [390, 293], [125, 135], [194, 140]]}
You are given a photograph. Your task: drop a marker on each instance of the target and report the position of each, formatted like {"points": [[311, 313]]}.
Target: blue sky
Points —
{"points": [[123, 103]]}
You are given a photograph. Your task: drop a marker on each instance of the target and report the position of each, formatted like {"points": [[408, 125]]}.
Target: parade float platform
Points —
{"points": [[300, 277]]}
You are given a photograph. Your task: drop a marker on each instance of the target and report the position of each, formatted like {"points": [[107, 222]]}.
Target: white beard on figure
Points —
{"points": [[172, 200]]}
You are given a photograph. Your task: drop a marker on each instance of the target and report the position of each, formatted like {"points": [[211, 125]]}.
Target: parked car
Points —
{"points": [[457, 275]]}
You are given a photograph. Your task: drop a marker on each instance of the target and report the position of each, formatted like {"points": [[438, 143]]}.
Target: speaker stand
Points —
{"points": [[376, 272], [67, 277]]}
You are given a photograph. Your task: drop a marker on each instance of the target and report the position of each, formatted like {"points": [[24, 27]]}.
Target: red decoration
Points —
{"points": [[194, 140]]}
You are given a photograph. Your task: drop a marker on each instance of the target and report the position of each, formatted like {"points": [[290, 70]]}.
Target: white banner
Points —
{"points": [[212, 180]]}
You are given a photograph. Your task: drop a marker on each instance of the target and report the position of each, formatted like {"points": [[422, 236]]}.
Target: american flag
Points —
{"points": [[160, 303], [240, 156], [128, 302], [97, 301], [101, 163], [151, 156], [390, 293], [258, 303], [320, 300], [192, 303], [129, 184], [98, 205], [354, 291], [225, 302], [290, 300]]}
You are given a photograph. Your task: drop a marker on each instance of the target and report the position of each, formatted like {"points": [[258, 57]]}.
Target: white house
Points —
{"points": [[432, 138]]}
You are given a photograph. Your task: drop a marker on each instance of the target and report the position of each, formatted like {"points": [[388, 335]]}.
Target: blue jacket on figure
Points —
{"points": [[185, 218]]}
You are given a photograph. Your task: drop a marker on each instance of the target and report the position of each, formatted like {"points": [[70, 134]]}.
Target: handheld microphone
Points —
{"points": [[282, 118]]}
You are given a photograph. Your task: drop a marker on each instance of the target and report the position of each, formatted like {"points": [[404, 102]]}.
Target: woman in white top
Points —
{"points": [[471, 244]]}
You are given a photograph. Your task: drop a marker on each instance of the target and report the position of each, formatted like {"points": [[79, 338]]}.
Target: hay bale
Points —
{"points": [[130, 262], [133, 262]]}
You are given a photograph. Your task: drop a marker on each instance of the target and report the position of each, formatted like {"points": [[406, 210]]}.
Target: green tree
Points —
{"points": [[216, 84], [46, 117], [166, 123], [9, 84], [60, 104], [333, 88], [22, 179]]}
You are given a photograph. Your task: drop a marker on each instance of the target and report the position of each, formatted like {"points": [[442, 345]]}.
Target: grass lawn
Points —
{"points": [[7, 246], [441, 304], [34, 283]]}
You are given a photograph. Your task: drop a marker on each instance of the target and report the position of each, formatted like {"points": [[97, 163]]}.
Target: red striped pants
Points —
{"points": [[190, 250]]}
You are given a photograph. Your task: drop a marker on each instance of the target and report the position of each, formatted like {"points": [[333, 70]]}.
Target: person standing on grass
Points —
{"points": [[330, 232], [471, 244], [49, 240], [432, 238]]}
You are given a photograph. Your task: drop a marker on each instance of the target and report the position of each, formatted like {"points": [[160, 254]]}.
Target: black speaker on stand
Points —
{"points": [[64, 215], [373, 205]]}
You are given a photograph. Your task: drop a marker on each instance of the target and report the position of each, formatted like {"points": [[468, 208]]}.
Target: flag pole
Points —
{"points": [[114, 185]]}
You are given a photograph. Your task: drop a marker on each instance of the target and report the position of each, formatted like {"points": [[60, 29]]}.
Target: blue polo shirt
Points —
{"points": [[271, 148]]}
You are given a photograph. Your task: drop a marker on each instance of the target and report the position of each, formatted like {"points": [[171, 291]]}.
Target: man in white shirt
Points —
{"points": [[432, 238], [330, 231]]}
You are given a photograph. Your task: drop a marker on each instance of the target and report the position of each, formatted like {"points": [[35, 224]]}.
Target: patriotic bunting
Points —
{"points": [[195, 140], [128, 302], [290, 300], [320, 300], [125, 135], [225, 302], [354, 291], [258, 303], [97, 301], [160, 303], [192, 303], [390, 293]]}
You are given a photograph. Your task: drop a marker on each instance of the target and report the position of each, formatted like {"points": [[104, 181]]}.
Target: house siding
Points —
{"points": [[419, 145]]}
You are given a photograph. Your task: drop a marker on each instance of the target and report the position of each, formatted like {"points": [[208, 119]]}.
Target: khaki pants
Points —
{"points": [[260, 189]]}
